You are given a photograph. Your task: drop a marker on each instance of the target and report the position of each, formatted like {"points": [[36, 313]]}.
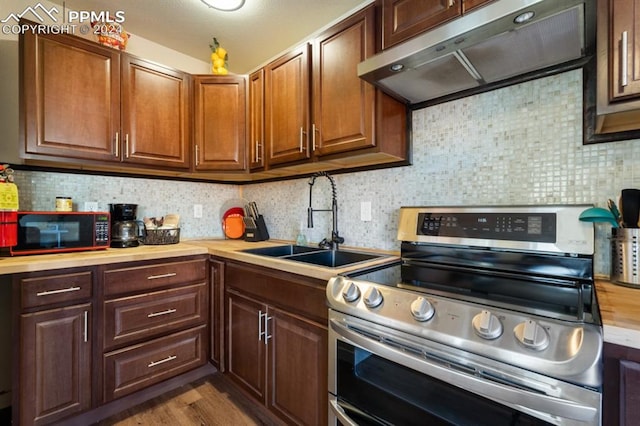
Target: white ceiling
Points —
{"points": [[252, 35]]}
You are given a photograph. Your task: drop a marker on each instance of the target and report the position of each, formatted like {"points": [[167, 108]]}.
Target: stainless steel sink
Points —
{"points": [[280, 251], [334, 258], [314, 255]]}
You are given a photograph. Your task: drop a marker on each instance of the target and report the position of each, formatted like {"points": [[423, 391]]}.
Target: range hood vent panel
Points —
{"points": [[483, 47], [436, 78], [549, 42]]}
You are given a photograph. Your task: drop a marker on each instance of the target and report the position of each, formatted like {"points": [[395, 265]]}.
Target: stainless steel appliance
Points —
{"points": [[125, 229], [59, 232], [486, 46], [489, 318]]}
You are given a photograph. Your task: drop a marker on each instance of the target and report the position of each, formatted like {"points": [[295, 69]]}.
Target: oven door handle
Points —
{"points": [[497, 391], [340, 414]]}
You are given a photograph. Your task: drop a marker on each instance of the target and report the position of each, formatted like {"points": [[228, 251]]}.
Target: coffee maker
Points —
{"points": [[125, 229]]}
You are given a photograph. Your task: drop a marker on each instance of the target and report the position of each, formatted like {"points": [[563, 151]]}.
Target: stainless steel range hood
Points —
{"points": [[482, 47]]}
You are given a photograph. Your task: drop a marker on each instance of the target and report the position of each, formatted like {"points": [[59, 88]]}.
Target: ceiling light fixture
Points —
{"points": [[225, 5]]}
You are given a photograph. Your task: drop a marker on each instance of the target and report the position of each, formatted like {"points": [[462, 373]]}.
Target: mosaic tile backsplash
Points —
{"points": [[517, 145]]}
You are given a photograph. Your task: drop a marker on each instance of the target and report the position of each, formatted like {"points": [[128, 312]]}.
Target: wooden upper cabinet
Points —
{"points": [[155, 114], [220, 123], [287, 107], [70, 98], [403, 19], [624, 49], [618, 66], [256, 120], [343, 104]]}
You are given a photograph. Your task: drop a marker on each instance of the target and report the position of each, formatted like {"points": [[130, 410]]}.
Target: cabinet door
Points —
{"points": [[287, 107], [71, 98], [621, 389], [403, 19], [297, 369], [155, 115], [256, 120], [624, 49], [217, 314], [220, 123], [343, 104], [55, 364], [245, 343]]}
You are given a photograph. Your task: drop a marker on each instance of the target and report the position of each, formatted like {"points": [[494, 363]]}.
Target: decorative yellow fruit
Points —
{"points": [[221, 71], [214, 56], [218, 63], [222, 52]]}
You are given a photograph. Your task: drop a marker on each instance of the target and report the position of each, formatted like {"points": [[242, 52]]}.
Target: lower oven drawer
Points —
{"points": [[131, 319], [137, 367]]}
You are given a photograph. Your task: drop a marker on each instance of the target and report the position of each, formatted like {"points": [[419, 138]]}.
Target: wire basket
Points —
{"points": [[161, 236]]}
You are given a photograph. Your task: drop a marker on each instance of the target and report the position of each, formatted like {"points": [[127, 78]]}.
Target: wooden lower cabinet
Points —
{"points": [[137, 367], [276, 351], [52, 376], [55, 367], [621, 393]]}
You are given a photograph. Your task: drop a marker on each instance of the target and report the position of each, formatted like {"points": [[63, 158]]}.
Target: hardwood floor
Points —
{"points": [[207, 402]]}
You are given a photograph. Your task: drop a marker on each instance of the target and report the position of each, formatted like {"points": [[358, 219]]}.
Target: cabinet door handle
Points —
{"points": [[62, 290], [157, 314], [126, 145], [302, 132], [117, 154], [314, 129], [86, 326], [260, 332], [162, 361], [623, 60], [197, 156], [267, 336], [258, 147], [155, 277]]}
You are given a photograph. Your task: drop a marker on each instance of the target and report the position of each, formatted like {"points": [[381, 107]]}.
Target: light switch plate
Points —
{"points": [[90, 206], [365, 211], [197, 210]]}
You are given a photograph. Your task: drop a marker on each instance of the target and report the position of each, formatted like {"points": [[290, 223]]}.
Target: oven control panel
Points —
{"points": [[553, 228], [534, 227]]}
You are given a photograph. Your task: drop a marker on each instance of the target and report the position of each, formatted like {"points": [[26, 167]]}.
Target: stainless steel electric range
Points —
{"points": [[490, 318]]}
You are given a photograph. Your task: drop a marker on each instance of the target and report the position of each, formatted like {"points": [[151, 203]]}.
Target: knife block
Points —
{"points": [[257, 233]]}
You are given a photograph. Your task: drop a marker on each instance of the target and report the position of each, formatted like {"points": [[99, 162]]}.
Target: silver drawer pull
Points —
{"points": [[155, 277], [162, 361], [157, 314], [62, 290]]}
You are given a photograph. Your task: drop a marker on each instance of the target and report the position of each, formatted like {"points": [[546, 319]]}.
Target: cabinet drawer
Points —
{"points": [[131, 318], [148, 277], [136, 367], [58, 288]]}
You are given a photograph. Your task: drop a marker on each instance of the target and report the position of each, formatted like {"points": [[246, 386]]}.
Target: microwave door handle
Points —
{"points": [[503, 393]]}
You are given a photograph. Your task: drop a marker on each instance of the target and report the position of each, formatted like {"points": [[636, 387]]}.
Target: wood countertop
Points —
{"points": [[619, 305], [620, 311]]}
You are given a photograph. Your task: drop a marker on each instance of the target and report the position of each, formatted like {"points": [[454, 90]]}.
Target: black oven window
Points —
{"points": [[376, 391]]}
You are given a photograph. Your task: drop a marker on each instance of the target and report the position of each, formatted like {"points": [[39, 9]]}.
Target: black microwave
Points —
{"points": [[56, 232]]}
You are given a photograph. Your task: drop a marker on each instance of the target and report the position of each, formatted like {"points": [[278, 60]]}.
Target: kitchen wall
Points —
{"points": [[517, 145]]}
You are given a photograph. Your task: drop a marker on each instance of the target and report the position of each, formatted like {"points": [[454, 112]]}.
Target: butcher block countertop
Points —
{"points": [[619, 305], [620, 311]]}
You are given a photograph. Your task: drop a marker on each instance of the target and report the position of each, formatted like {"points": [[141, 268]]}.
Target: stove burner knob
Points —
{"points": [[351, 293], [421, 309], [532, 335], [373, 298], [487, 325]]}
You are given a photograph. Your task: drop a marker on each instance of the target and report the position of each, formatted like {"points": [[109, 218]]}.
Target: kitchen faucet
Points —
{"points": [[336, 239]]}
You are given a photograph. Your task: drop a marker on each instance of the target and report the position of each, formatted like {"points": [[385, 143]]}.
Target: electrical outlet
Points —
{"points": [[365, 211], [197, 210], [90, 206]]}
